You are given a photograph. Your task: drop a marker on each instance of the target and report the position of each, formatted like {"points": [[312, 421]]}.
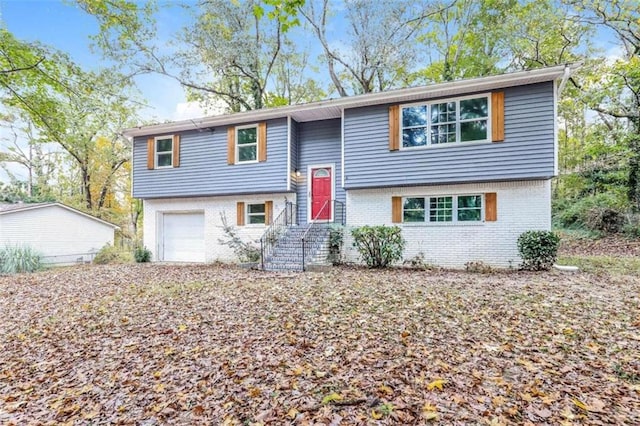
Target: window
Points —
{"points": [[164, 151], [256, 214], [440, 209], [461, 208], [413, 210], [469, 208], [460, 120], [321, 173], [247, 144]]}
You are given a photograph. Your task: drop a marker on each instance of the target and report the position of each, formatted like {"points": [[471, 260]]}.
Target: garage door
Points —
{"points": [[183, 237]]}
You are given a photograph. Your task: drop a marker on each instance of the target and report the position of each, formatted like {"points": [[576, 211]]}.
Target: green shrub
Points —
{"points": [[110, 254], [631, 228], [605, 219], [631, 231], [142, 254], [246, 252], [15, 260], [379, 246], [589, 212], [538, 249], [336, 240]]}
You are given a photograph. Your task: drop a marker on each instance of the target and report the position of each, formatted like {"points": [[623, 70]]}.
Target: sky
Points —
{"points": [[64, 26]]}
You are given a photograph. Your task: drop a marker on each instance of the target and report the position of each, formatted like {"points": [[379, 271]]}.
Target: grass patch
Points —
{"points": [[603, 264]]}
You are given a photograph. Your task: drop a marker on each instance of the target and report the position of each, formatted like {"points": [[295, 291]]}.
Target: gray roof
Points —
{"points": [[18, 207]]}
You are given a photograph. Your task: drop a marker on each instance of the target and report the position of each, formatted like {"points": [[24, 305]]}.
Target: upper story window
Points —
{"points": [[457, 120], [247, 144], [448, 208], [164, 151]]}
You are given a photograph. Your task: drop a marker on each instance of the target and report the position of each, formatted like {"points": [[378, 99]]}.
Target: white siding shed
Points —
{"points": [[60, 233]]}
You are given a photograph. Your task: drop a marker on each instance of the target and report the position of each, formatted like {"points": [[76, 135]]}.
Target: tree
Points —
{"points": [[71, 108], [378, 51], [232, 51], [38, 162], [614, 89]]}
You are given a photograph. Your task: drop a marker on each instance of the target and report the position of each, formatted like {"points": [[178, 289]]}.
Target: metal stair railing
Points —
{"points": [[268, 241], [339, 216]]}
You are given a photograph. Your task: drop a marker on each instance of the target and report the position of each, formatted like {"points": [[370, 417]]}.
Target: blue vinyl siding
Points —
{"points": [[526, 153], [204, 170], [318, 143]]}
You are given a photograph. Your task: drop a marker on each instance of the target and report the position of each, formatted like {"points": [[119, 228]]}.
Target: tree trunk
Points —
{"points": [[86, 188]]}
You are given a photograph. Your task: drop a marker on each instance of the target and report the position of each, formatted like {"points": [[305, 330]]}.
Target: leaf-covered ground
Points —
{"points": [[610, 245], [163, 344]]}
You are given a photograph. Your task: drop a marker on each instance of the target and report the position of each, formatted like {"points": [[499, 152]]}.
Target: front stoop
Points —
{"points": [[287, 255]]}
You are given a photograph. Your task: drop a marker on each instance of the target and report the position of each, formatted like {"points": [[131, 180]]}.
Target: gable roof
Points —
{"points": [[333, 108], [20, 207]]}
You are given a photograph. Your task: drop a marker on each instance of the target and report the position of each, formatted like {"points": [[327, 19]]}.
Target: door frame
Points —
{"points": [[310, 167]]}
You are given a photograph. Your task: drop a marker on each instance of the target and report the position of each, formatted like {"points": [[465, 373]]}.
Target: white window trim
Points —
{"points": [[247, 215], [237, 147], [155, 151], [454, 213], [331, 166], [429, 124]]}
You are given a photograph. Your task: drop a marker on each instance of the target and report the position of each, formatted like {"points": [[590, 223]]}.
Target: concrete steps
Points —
{"points": [[287, 254]]}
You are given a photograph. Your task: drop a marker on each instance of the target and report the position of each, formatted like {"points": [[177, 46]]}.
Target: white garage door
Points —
{"points": [[183, 237]]}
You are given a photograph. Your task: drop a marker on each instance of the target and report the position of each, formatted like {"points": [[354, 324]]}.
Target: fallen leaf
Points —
{"points": [[331, 397], [430, 416], [292, 413], [386, 390], [580, 404], [437, 384], [545, 413], [428, 407]]}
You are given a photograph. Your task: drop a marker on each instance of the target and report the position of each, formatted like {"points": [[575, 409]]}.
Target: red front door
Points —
{"points": [[321, 193]]}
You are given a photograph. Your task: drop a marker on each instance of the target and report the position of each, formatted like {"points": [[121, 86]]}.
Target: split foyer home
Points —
{"points": [[462, 167]]}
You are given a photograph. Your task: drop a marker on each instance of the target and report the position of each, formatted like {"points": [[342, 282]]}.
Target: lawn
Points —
{"points": [[162, 344]]}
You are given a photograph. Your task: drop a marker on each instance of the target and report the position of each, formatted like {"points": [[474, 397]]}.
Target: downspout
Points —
{"points": [[289, 153], [565, 78], [556, 98]]}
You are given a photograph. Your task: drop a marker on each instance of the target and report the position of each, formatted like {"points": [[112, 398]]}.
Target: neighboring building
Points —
{"points": [[462, 167], [58, 232]]}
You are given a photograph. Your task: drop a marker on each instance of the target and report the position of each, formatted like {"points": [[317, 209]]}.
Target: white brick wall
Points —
{"points": [[522, 206], [212, 207]]}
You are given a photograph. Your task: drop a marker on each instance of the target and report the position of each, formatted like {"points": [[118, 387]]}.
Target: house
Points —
{"points": [[462, 167], [61, 234]]}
